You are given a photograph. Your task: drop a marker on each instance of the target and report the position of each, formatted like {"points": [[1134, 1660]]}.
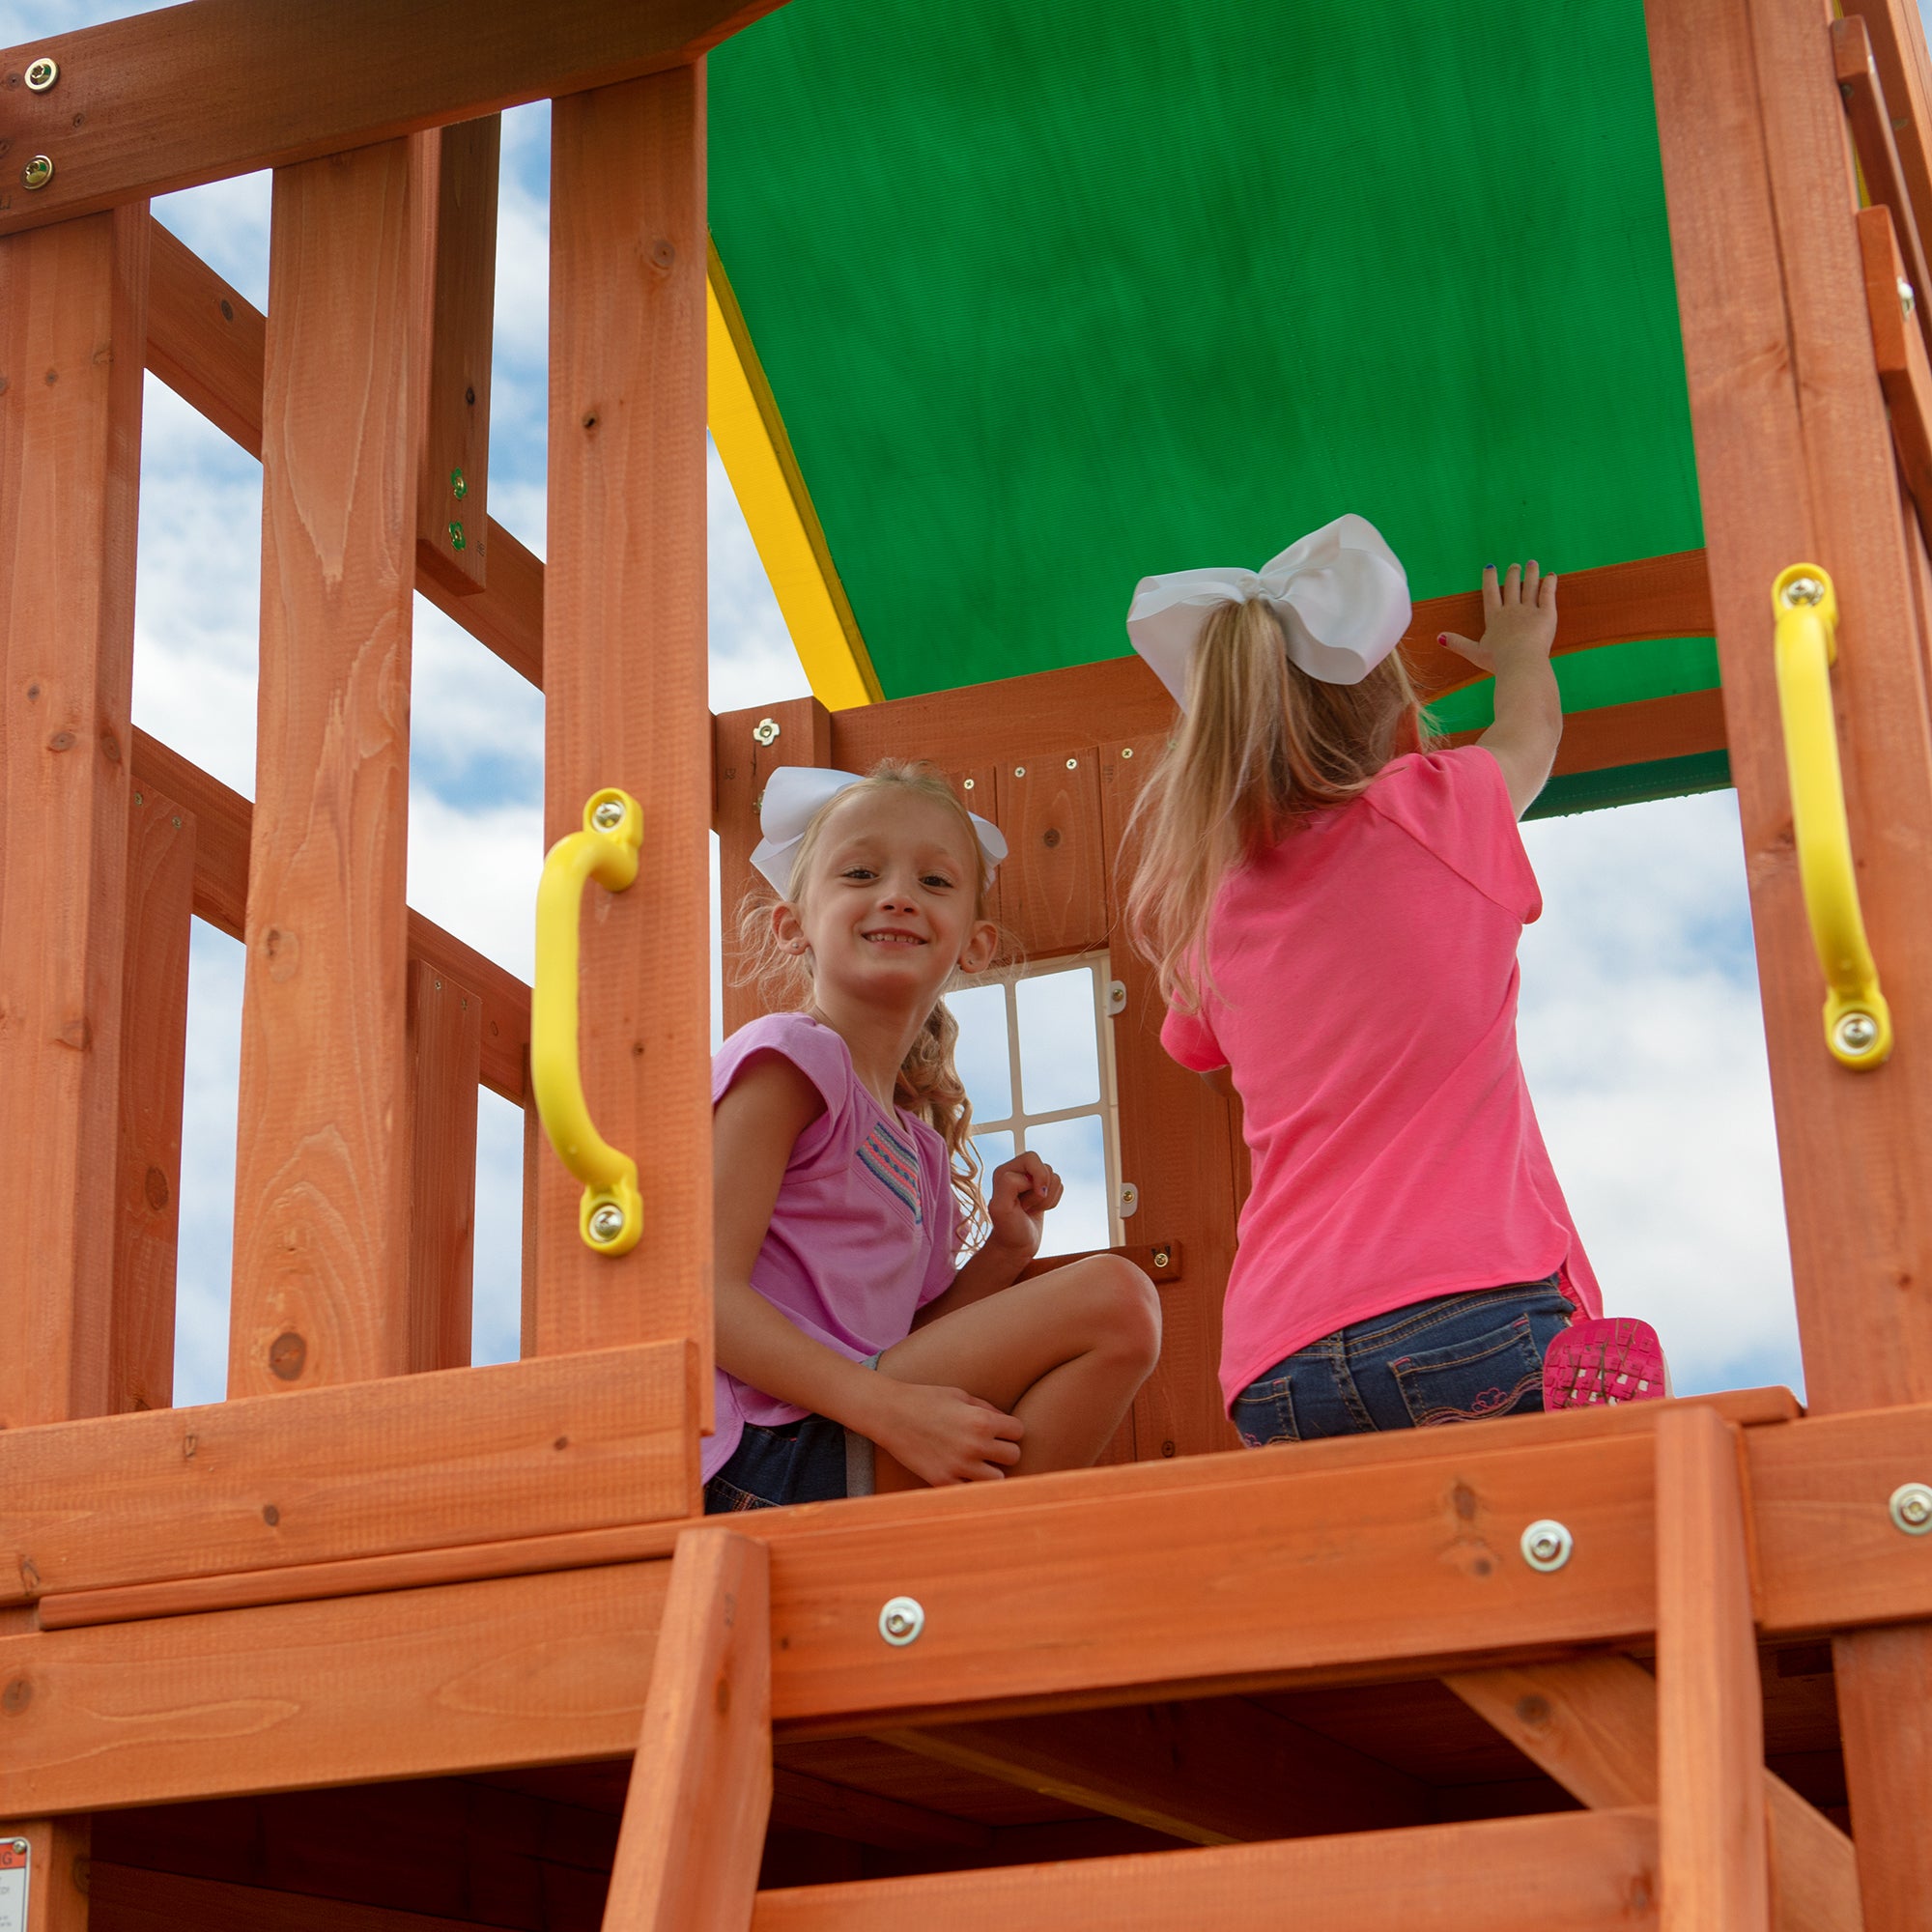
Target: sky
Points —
{"points": [[1640, 1027]]}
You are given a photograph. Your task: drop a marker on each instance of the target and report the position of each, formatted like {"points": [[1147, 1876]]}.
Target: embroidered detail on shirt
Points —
{"points": [[895, 1162]]}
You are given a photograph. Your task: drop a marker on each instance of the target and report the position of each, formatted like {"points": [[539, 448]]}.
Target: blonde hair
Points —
{"points": [[929, 1087], [1261, 748]]}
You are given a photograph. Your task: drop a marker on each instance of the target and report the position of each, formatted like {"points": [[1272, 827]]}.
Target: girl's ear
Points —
{"points": [[982, 941], [786, 930]]}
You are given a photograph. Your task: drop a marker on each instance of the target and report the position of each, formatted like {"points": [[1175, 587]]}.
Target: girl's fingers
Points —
{"points": [[1491, 599], [1531, 576], [1545, 596], [1463, 647], [1512, 585]]}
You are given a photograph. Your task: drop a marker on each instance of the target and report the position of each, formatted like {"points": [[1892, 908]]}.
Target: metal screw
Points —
{"points": [[174, 821], [1161, 1258], [1857, 1032], [901, 1620], [139, 800], [43, 73], [20, 1846], [1911, 1508], [1126, 750], [1074, 764], [608, 816], [1906, 301], [1546, 1545], [38, 173], [966, 784], [1804, 590], [1130, 1199], [766, 730], [456, 541], [457, 485], [1116, 997], [607, 1222], [1019, 771]]}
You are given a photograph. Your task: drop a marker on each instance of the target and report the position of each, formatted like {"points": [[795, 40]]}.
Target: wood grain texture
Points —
{"points": [[1218, 1773], [154, 1050], [742, 765], [801, 1801], [57, 1868], [461, 321], [1710, 1716], [975, 1508], [1592, 1725], [224, 822], [1602, 1865], [432, 1460], [412, 1684], [1178, 1146], [1884, 1682], [208, 342], [701, 1779], [71, 319], [445, 1032], [1897, 35], [626, 560], [1677, 727], [1053, 888], [194, 93], [322, 1171], [1899, 349], [123, 1898]]}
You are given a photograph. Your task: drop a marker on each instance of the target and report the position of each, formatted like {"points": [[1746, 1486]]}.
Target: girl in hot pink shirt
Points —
{"points": [[846, 1186], [1334, 914]]}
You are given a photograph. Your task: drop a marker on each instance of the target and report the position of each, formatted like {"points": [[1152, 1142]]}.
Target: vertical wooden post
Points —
{"points": [[153, 1053], [322, 1177], [744, 761], [445, 1054], [1795, 464], [625, 688], [56, 1868], [453, 478], [72, 332], [701, 1779], [1709, 1714]]}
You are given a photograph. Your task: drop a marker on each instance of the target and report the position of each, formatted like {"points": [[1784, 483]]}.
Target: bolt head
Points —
{"points": [[1911, 1508], [43, 73], [901, 1620], [1019, 771], [1074, 764], [766, 731], [20, 1846], [1546, 1545], [1130, 1199], [607, 1222], [1906, 299], [1857, 1032], [1804, 590], [38, 173], [608, 816], [456, 537], [459, 488]]}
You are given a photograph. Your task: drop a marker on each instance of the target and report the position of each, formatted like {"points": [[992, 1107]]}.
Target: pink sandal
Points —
{"points": [[1608, 1358]]}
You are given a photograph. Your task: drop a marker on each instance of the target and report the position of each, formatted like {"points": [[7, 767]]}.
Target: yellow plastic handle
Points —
{"points": [[611, 1215], [1857, 1022]]}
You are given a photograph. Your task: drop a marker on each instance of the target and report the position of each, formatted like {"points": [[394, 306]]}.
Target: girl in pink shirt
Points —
{"points": [[1334, 914], [847, 1183]]}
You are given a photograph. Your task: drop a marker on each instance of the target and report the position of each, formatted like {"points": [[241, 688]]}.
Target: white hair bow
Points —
{"points": [[795, 795], [1341, 594]]}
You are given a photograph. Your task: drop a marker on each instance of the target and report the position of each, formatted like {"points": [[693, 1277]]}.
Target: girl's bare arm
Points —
{"points": [[1519, 627]]}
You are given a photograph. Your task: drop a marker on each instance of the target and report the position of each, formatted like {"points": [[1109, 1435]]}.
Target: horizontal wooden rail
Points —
{"points": [[415, 1462], [197, 93], [1588, 1872], [223, 819], [207, 342]]}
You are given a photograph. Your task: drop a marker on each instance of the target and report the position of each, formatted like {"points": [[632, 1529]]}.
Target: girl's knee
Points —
{"points": [[1124, 1307]]}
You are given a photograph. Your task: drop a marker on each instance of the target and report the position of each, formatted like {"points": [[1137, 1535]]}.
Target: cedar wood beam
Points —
{"points": [[195, 93]]}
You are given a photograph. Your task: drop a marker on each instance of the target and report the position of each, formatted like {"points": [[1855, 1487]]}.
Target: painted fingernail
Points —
{"points": [[1442, 636]]}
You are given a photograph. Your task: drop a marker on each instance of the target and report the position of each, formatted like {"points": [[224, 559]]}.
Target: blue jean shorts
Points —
{"points": [[793, 1463], [1454, 1358]]}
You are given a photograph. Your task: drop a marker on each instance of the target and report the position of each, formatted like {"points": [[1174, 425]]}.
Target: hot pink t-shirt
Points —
{"points": [[1366, 993], [865, 1225]]}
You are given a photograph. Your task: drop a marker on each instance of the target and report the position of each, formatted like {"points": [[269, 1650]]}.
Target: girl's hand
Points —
{"points": [[1518, 620], [945, 1436], [1023, 1190]]}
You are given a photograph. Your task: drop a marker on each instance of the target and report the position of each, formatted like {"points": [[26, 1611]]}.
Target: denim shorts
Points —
{"points": [[793, 1463], [1454, 1358]]}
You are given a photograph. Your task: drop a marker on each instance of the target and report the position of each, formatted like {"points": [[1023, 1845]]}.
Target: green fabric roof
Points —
{"points": [[1054, 295]]}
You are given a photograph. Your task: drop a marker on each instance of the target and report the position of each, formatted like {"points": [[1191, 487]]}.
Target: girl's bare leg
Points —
{"points": [[1065, 1353]]}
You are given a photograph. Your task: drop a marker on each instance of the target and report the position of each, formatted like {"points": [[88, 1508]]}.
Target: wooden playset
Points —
{"points": [[390, 1642]]}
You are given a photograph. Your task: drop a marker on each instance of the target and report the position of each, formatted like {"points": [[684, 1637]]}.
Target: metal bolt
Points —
{"points": [[1911, 1508], [139, 800], [1019, 771], [766, 730], [608, 816], [1161, 1258], [43, 73], [607, 1222], [456, 541], [966, 784], [38, 173], [174, 821], [1906, 301], [1074, 764], [1546, 1545], [1116, 997], [1126, 750], [1804, 590], [20, 1846], [1856, 1032], [1130, 1199], [901, 1620], [458, 487]]}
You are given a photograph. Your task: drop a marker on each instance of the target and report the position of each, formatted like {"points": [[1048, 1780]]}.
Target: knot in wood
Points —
{"points": [[1050, 837], [156, 1187], [1533, 1711], [287, 1355], [17, 1696], [61, 741], [270, 1515]]}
